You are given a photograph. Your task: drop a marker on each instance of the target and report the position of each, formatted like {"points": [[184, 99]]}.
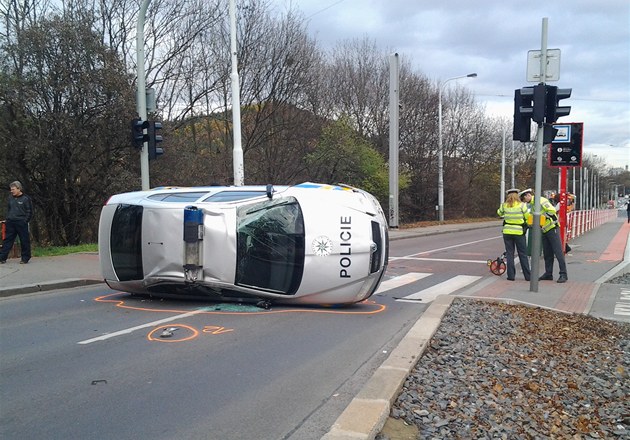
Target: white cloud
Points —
{"points": [[491, 37]]}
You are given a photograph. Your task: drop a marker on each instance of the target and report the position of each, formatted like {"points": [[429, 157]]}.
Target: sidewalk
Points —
{"points": [[49, 273]]}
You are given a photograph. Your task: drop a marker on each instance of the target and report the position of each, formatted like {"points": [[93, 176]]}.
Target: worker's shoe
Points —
{"points": [[563, 279], [546, 277]]}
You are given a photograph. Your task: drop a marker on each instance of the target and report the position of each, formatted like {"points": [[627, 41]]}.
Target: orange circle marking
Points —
{"points": [[193, 333]]}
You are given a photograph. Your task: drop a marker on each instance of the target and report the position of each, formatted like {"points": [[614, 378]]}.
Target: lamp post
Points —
{"points": [[440, 149]]}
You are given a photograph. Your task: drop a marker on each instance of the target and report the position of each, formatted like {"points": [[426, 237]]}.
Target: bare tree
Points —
{"points": [[67, 112], [357, 84]]}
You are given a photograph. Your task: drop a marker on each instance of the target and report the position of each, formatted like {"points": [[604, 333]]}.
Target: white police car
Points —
{"points": [[309, 243]]}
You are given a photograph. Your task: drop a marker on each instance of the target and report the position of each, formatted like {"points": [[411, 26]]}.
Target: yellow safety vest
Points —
{"points": [[513, 218], [548, 216]]}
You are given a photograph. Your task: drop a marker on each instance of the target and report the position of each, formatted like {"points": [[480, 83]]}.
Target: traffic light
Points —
{"points": [[155, 138], [549, 133], [552, 110], [138, 138], [540, 95], [523, 112]]}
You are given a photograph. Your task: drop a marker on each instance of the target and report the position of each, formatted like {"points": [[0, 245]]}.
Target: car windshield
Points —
{"points": [[270, 243]]}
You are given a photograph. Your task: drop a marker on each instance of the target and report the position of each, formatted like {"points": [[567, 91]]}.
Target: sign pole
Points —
{"points": [[563, 207], [536, 230]]}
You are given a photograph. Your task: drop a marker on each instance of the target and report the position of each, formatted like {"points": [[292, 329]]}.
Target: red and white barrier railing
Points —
{"points": [[579, 222]]}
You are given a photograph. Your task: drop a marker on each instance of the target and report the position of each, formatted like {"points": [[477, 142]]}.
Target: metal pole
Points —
{"points": [[503, 167], [141, 97], [581, 188], [440, 147], [394, 109], [587, 202], [536, 231], [513, 177], [440, 160], [237, 153]]}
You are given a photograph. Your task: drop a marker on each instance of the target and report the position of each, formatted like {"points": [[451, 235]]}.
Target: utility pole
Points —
{"points": [[141, 97], [394, 109], [237, 152]]}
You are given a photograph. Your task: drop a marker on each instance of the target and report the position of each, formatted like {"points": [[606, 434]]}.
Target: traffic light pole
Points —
{"points": [[237, 150], [141, 98], [536, 230]]}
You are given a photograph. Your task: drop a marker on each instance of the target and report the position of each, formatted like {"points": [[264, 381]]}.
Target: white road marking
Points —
{"points": [[623, 308], [443, 259], [132, 329], [445, 248], [401, 281], [427, 295]]}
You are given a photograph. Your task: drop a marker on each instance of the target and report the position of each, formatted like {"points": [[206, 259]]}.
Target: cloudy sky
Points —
{"points": [[448, 38]]}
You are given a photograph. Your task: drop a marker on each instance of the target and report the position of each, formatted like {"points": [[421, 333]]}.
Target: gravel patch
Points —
{"points": [[621, 279], [497, 371]]}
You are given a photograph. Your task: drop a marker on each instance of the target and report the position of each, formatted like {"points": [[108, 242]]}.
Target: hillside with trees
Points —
{"points": [[67, 96]]}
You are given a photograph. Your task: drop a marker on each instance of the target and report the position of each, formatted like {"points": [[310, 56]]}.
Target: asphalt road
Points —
{"points": [[94, 363]]}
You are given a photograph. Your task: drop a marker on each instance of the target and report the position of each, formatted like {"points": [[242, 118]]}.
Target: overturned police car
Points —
{"points": [[309, 243]]}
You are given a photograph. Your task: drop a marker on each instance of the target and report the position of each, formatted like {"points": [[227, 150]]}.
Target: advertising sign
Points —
{"points": [[566, 148]]}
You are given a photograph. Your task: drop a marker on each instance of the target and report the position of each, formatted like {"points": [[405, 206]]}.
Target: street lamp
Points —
{"points": [[440, 150]]}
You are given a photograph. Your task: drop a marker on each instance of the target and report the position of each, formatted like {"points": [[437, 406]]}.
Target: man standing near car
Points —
{"points": [[552, 246], [19, 214]]}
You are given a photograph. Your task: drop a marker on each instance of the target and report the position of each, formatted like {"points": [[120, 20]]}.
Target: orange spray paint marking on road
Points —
{"points": [[192, 333], [216, 330], [377, 308]]}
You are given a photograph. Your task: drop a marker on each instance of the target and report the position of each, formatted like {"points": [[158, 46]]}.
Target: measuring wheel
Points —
{"points": [[497, 266]]}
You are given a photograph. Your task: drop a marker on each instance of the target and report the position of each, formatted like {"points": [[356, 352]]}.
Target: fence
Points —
{"points": [[579, 222]]}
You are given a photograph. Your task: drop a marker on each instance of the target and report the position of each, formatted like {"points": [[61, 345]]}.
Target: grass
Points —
{"points": [[447, 222], [53, 251]]}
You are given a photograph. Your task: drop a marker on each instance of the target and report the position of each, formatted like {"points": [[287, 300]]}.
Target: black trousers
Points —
{"points": [[16, 228], [552, 247], [520, 243]]}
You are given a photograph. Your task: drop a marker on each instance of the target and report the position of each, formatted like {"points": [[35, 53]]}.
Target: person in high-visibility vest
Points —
{"points": [[551, 243], [514, 214]]}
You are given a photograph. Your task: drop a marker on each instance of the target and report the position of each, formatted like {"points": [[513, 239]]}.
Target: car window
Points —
{"points": [[270, 245], [126, 242], [178, 197], [232, 196]]}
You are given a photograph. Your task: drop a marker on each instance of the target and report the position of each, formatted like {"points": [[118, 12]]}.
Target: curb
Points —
{"points": [[48, 285], [399, 234], [366, 414]]}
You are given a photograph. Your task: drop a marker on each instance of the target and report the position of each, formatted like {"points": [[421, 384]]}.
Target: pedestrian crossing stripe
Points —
{"points": [[429, 294], [401, 280], [444, 288]]}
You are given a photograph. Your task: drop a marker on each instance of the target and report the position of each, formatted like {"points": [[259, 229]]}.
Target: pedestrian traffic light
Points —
{"points": [[155, 138], [549, 133], [540, 95], [552, 110], [523, 112], [138, 137]]}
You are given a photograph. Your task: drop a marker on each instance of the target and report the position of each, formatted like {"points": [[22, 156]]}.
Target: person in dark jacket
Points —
{"points": [[19, 214]]}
